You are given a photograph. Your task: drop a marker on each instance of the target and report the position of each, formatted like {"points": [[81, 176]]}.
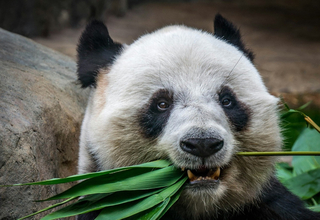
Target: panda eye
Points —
{"points": [[163, 106], [226, 102]]}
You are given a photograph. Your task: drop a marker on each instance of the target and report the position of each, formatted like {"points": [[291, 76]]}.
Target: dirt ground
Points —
{"points": [[286, 42]]}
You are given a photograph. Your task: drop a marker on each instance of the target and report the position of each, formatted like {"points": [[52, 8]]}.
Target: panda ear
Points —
{"points": [[226, 31], [95, 50]]}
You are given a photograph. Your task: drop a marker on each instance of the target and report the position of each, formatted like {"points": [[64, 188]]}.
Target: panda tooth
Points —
{"points": [[183, 168], [191, 176], [214, 175]]}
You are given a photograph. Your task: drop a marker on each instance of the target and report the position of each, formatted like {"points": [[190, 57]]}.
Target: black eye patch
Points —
{"points": [[237, 112], [154, 115]]}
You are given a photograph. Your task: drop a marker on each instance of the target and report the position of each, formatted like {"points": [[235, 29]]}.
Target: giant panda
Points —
{"points": [[193, 98]]}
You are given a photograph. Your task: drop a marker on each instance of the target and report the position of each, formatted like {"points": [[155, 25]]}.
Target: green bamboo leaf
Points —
{"points": [[283, 171], [288, 113], [304, 106], [132, 180], [87, 186], [130, 209], [153, 213], [287, 106], [48, 208], [309, 140], [150, 214], [99, 201], [305, 185], [154, 164], [173, 200], [315, 208]]}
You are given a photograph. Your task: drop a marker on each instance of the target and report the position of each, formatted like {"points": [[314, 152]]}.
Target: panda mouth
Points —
{"points": [[204, 174]]}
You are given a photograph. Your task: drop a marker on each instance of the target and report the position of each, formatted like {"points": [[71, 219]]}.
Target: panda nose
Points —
{"points": [[202, 147]]}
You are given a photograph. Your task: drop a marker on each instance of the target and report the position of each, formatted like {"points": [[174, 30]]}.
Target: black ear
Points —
{"points": [[96, 50], [226, 31]]}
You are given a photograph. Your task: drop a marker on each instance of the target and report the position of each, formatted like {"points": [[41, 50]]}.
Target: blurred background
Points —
{"points": [[284, 35]]}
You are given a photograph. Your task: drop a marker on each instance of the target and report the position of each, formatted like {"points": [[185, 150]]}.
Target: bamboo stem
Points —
{"points": [[312, 123], [281, 153]]}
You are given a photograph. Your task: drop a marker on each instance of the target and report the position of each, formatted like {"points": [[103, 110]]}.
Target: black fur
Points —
{"points": [[226, 31], [152, 121], [237, 112], [275, 203], [96, 50]]}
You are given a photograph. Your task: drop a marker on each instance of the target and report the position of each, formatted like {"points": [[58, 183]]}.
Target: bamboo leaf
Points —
{"points": [[98, 201], [173, 200], [315, 208], [123, 182], [129, 209], [305, 185], [304, 106], [48, 208], [288, 113], [284, 171], [153, 213], [154, 164], [308, 140], [284, 103]]}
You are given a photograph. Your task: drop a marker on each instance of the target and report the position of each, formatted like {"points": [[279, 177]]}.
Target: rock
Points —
{"points": [[41, 109]]}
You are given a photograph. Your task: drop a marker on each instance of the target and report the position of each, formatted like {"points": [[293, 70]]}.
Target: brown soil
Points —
{"points": [[286, 41]]}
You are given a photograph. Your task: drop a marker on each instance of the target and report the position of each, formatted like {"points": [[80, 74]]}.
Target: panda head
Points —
{"points": [[181, 94]]}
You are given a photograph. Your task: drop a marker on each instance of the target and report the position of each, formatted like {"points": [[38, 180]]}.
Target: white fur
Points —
{"points": [[194, 65]]}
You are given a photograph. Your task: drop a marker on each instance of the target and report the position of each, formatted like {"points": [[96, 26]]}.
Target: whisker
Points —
{"points": [[227, 78], [233, 78]]}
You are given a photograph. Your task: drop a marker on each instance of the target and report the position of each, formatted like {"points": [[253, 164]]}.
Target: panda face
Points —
{"points": [[192, 98]]}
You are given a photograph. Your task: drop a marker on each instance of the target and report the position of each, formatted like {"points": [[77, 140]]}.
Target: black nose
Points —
{"points": [[202, 147]]}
